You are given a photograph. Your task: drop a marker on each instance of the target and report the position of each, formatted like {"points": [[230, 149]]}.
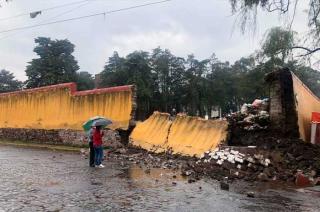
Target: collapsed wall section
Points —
{"points": [[62, 107], [185, 135], [193, 135], [152, 134]]}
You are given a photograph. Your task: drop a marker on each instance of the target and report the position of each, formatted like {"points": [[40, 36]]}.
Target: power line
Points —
{"points": [[137, 6], [83, 17], [67, 11], [45, 9], [56, 16]]}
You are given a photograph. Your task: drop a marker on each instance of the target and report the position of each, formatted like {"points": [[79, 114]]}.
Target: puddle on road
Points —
{"points": [[154, 175]]}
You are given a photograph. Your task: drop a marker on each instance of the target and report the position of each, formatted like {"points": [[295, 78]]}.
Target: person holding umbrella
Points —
{"points": [[97, 144], [95, 138], [90, 140], [89, 129]]}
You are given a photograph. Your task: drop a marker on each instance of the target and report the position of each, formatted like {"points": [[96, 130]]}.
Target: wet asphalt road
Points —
{"points": [[44, 180]]}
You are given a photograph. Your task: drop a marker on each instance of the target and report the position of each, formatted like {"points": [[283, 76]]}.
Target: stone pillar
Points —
{"points": [[283, 114], [276, 110]]}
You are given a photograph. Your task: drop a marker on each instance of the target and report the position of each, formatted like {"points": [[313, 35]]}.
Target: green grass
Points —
{"points": [[25, 144]]}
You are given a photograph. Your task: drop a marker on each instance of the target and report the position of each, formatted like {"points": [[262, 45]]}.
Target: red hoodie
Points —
{"points": [[97, 138]]}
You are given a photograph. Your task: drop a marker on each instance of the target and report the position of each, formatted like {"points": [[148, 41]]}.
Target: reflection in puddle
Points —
{"points": [[154, 177], [137, 173]]}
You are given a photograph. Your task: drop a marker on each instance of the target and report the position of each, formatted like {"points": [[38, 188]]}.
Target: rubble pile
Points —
{"points": [[290, 153], [271, 159], [146, 159], [233, 157], [248, 164], [252, 116]]}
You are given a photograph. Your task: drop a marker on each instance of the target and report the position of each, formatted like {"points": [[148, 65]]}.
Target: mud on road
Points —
{"points": [[46, 180]]}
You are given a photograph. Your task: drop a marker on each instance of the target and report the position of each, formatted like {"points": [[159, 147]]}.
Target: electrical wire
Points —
{"points": [[66, 12], [83, 17], [45, 9], [56, 16]]}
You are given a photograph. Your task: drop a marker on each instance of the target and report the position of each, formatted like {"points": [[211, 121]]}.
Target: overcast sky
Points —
{"points": [[201, 27]]}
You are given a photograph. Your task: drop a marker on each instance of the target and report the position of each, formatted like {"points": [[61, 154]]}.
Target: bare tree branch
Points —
{"points": [[309, 51]]}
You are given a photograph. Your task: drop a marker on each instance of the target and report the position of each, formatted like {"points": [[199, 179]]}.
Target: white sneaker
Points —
{"points": [[101, 166]]}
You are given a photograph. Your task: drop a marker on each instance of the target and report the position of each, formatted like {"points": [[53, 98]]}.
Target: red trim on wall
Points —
{"points": [[73, 89]]}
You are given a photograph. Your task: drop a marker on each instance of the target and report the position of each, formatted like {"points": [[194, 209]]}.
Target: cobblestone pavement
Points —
{"points": [[43, 180]]}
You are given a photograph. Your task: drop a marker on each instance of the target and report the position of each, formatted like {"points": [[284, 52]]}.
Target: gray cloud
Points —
{"points": [[183, 26]]}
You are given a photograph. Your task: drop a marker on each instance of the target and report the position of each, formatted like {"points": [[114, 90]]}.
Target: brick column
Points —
{"points": [[283, 113]]}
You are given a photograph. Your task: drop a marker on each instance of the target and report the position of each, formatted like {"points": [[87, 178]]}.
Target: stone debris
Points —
{"points": [[251, 194], [253, 116], [234, 157], [237, 162]]}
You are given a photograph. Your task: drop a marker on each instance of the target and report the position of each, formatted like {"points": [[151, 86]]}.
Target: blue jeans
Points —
{"points": [[98, 154]]}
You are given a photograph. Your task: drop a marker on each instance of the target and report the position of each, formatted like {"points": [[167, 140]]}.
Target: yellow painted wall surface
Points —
{"points": [[306, 103], [185, 135], [193, 136], [61, 107], [152, 133]]}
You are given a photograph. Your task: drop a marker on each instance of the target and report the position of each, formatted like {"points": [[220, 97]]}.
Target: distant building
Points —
{"points": [[97, 80]]}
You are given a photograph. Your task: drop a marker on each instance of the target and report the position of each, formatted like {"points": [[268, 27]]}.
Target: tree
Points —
{"points": [[84, 81], [196, 86], [278, 43], [168, 73], [165, 81], [8, 82], [133, 69], [55, 64], [160, 64], [248, 12], [114, 72]]}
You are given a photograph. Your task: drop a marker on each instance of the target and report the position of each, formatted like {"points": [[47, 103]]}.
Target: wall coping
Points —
{"points": [[73, 89]]}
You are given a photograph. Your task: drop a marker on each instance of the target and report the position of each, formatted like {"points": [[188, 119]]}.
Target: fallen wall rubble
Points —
{"points": [[272, 159], [184, 135]]}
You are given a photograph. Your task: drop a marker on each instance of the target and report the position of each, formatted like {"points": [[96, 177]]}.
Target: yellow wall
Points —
{"points": [[306, 103], [152, 133], [193, 136], [185, 135], [62, 107]]}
